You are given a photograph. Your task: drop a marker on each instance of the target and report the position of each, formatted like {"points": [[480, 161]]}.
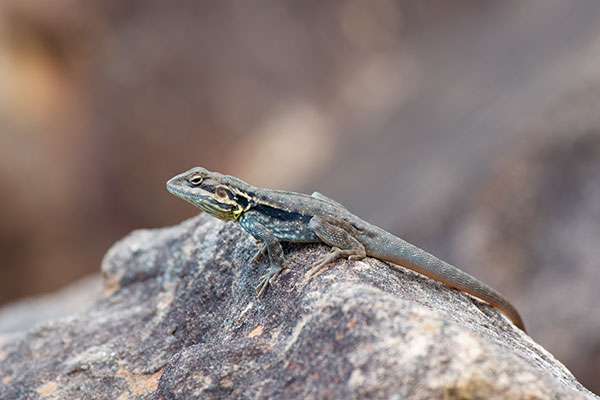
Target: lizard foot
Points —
{"points": [[267, 279], [259, 254], [325, 261], [335, 253]]}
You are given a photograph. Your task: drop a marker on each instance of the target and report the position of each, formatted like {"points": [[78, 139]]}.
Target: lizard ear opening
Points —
{"points": [[223, 193]]}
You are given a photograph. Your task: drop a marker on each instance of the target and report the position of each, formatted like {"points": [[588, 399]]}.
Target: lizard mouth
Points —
{"points": [[174, 185]]}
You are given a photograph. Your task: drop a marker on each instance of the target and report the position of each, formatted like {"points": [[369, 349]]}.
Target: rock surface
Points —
{"points": [[531, 228], [179, 319]]}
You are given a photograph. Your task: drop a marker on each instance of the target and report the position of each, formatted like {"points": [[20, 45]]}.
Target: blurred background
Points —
{"points": [[470, 128]]}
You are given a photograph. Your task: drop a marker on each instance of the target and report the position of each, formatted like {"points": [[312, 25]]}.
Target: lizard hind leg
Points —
{"points": [[341, 236]]}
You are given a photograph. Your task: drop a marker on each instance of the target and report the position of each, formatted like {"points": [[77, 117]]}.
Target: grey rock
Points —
{"points": [[178, 319], [531, 228]]}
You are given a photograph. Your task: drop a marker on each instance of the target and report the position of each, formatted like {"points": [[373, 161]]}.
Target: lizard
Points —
{"points": [[275, 216]]}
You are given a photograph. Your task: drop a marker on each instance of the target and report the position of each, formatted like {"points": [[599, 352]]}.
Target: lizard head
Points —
{"points": [[222, 196]]}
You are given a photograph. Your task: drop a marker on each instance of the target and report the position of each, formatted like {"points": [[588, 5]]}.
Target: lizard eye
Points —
{"points": [[195, 180]]}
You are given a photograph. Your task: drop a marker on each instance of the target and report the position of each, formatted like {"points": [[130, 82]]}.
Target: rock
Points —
{"points": [[179, 319], [531, 228]]}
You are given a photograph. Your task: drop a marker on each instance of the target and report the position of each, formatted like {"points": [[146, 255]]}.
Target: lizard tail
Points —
{"points": [[410, 256]]}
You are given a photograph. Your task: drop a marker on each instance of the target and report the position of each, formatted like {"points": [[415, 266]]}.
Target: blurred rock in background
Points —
{"points": [[471, 129]]}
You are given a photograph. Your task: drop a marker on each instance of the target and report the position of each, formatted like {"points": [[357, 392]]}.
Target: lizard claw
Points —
{"points": [[267, 279], [259, 254], [335, 253], [324, 261]]}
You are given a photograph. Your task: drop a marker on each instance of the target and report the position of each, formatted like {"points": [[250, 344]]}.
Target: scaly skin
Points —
{"points": [[273, 216]]}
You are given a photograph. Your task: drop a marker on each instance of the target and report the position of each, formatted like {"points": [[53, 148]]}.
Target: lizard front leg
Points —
{"points": [[261, 252], [341, 236], [252, 224]]}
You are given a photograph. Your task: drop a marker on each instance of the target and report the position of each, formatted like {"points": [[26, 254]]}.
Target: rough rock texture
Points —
{"points": [[179, 319], [534, 224]]}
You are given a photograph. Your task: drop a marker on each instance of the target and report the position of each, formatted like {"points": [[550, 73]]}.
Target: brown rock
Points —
{"points": [[179, 319]]}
